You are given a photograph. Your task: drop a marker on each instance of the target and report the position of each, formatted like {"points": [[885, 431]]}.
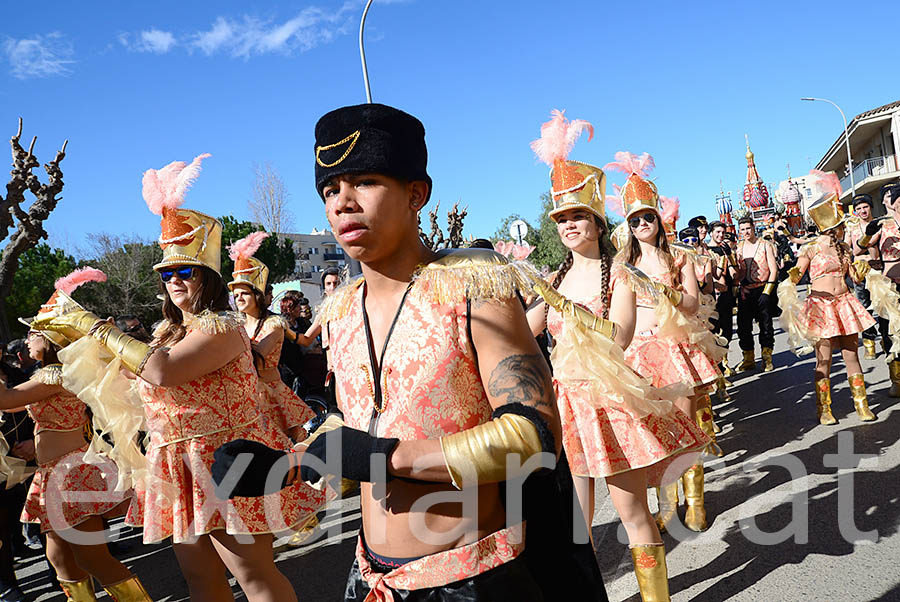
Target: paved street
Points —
{"points": [[770, 419]]}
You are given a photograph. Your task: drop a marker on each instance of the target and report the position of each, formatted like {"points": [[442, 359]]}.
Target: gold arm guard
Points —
{"points": [[864, 241], [671, 294], [769, 288], [478, 455], [566, 307], [794, 274], [132, 352]]}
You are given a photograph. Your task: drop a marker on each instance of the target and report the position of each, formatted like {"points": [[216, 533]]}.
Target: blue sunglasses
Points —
{"points": [[185, 273]]}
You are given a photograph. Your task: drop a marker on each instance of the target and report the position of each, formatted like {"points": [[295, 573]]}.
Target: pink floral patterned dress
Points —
{"points": [[66, 491], [187, 423], [603, 441], [825, 316], [664, 360], [278, 401]]}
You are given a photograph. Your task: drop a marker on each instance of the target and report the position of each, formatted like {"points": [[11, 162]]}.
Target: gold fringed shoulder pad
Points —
{"points": [[634, 278], [337, 304], [807, 248], [49, 375], [682, 253], [277, 321], [474, 274], [211, 322]]}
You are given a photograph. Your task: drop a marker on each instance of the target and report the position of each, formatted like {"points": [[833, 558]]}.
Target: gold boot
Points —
{"points": [[695, 515], [130, 590], [767, 359], [726, 370], [705, 422], [79, 591], [650, 570], [858, 390], [869, 345], [667, 498], [304, 533], [749, 362], [722, 391], [823, 402], [894, 369]]}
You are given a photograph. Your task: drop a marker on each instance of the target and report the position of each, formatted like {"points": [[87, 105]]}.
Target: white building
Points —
{"points": [[316, 252], [874, 146]]}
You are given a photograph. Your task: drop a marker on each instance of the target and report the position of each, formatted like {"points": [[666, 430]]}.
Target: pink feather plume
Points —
{"points": [[614, 201], [827, 181], [629, 163], [246, 246], [670, 207], [164, 188], [558, 136], [69, 283]]}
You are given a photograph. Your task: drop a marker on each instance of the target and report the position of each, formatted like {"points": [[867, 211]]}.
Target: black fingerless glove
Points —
{"points": [[253, 481], [872, 228], [355, 449]]}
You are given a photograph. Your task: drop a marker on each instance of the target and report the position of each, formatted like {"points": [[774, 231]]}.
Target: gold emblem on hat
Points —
{"points": [[351, 139]]}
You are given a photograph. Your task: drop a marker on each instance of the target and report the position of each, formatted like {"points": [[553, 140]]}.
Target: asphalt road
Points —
{"points": [[769, 427]]}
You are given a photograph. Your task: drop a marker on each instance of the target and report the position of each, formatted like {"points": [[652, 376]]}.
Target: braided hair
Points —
{"points": [[843, 251], [606, 267]]}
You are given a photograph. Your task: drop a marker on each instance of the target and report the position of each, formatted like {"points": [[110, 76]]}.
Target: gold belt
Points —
{"points": [[215, 432]]}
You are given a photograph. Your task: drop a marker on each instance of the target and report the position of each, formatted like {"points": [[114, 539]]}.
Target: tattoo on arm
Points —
{"points": [[521, 379]]}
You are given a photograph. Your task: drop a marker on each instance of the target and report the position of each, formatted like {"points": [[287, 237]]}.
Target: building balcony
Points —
{"points": [[876, 167], [333, 256], [303, 256]]}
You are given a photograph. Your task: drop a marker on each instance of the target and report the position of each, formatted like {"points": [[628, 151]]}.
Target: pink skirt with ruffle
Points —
{"points": [[826, 317], [67, 491], [666, 362], [282, 407], [601, 442], [178, 500]]}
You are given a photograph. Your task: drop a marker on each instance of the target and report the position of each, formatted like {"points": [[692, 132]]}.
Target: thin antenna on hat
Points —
{"points": [[362, 53]]}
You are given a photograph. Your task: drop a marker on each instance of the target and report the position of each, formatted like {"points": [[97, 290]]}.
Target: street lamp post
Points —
{"points": [[847, 139]]}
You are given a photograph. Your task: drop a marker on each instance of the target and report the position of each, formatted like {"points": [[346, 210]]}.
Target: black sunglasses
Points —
{"points": [[635, 221], [185, 273]]}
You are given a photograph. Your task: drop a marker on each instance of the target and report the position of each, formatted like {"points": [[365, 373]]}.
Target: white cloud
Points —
{"points": [[150, 40], [39, 56], [252, 36]]}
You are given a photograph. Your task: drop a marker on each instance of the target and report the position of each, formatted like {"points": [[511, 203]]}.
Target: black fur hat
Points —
{"points": [[696, 222], [370, 138]]}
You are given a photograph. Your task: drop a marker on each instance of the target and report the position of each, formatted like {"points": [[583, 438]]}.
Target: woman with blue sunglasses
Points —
{"points": [[199, 389]]}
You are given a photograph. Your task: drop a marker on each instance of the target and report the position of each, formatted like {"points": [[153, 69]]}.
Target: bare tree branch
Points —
{"points": [[269, 201], [29, 230]]}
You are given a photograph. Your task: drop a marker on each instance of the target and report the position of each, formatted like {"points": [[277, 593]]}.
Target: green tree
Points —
{"points": [[132, 286], [277, 253], [37, 271]]}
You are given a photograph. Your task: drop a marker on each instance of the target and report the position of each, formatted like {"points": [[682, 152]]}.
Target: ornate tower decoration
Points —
{"points": [[756, 195], [724, 207], [792, 198]]}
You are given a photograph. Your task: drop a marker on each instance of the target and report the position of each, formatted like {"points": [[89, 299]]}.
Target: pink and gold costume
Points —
{"points": [[603, 441], [823, 315], [47, 502], [279, 403], [667, 360], [187, 423], [428, 386]]}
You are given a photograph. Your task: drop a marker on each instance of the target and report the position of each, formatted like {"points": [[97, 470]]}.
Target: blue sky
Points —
{"points": [[134, 88]]}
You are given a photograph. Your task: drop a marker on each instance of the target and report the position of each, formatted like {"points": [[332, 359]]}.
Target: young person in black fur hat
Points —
{"points": [[438, 379]]}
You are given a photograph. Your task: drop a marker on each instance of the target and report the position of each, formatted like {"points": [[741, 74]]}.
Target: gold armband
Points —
{"points": [[478, 455], [769, 288], [133, 353], [566, 307], [864, 241], [72, 324], [794, 274]]}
